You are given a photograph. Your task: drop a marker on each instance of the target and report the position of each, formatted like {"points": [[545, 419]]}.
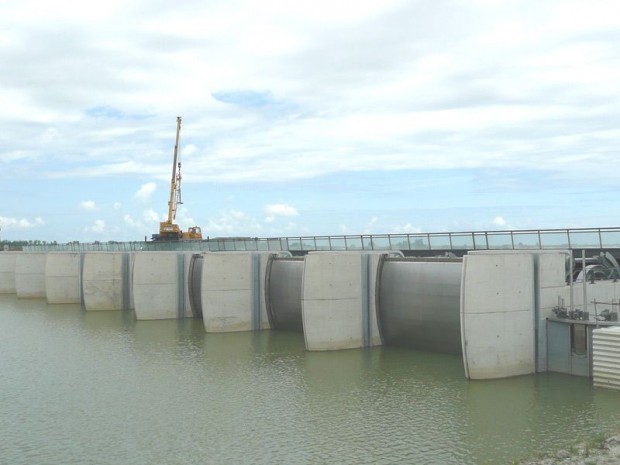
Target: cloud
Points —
{"points": [[20, 223], [499, 221], [233, 223], [88, 205], [406, 228], [129, 221], [144, 193], [97, 227], [406, 87], [104, 111], [371, 225], [117, 205], [271, 211], [151, 216], [188, 150], [183, 219], [302, 91], [245, 98]]}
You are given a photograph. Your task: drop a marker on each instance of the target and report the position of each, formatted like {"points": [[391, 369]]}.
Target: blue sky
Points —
{"points": [[308, 118]]}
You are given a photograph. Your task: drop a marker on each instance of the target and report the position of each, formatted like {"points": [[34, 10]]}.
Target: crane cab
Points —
{"points": [[193, 233]]}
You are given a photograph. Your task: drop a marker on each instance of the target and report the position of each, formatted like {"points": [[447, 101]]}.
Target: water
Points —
{"points": [[102, 388]]}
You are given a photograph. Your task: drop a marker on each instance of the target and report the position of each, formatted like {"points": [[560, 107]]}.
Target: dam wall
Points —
{"points": [[506, 313], [160, 285], [7, 272], [106, 281], [63, 277], [30, 275], [338, 301], [232, 291], [497, 315]]}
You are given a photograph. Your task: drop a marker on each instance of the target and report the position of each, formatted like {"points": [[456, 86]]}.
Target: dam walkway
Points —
{"points": [[419, 243]]}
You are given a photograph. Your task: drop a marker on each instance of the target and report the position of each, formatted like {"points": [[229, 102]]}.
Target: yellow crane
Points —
{"points": [[168, 230]]}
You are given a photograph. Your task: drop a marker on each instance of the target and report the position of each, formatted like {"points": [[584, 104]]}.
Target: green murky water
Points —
{"points": [[102, 388]]}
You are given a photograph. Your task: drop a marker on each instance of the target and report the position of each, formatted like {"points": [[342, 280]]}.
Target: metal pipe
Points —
{"points": [[584, 279], [570, 280]]}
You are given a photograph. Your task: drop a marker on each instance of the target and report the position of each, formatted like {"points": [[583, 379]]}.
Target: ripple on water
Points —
{"points": [[102, 388]]}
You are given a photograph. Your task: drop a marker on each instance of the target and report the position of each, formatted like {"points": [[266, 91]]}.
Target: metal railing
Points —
{"points": [[534, 239]]}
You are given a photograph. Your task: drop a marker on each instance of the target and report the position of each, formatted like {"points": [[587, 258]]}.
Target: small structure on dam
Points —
{"points": [[505, 312]]}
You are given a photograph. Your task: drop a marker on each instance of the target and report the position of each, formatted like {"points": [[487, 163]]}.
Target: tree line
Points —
{"points": [[19, 245]]}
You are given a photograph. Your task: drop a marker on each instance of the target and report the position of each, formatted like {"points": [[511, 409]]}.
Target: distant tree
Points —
{"points": [[12, 245]]}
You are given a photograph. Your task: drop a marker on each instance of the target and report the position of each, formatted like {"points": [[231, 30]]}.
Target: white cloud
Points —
{"points": [[151, 216], [117, 205], [88, 205], [406, 228], [97, 227], [301, 90], [271, 211], [189, 150], [233, 223], [20, 223], [144, 193], [371, 226], [183, 219], [129, 221], [499, 221]]}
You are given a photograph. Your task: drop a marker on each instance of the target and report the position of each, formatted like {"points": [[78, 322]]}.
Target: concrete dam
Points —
{"points": [[506, 313]]}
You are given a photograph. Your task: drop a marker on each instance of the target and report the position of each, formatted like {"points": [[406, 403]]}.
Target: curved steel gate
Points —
{"points": [[418, 304], [283, 286], [194, 280]]}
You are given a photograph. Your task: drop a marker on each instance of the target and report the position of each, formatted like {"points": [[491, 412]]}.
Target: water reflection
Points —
{"points": [[100, 387]]}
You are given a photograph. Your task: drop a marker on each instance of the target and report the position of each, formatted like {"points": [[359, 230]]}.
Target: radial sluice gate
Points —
{"points": [[194, 280], [416, 301], [283, 285], [418, 304]]}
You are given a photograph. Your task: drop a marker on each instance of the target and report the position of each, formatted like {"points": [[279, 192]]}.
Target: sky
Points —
{"points": [[308, 117]]}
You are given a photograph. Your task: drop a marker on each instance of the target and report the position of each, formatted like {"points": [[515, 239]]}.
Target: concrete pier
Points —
{"points": [[106, 281], [338, 303], [160, 285], [550, 282], [497, 315], [233, 291], [62, 278], [7, 272], [30, 275]]}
